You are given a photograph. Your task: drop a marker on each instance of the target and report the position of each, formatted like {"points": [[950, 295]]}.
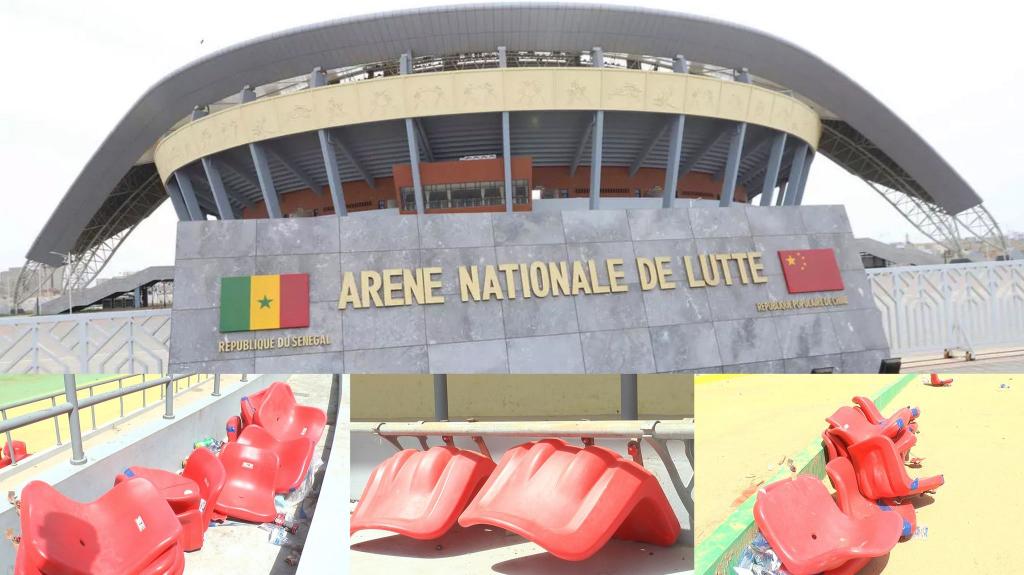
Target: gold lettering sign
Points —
{"points": [[525, 280], [263, 343]]}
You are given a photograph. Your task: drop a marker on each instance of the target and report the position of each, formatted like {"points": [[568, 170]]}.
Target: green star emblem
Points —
{"points": [[265, 302]]}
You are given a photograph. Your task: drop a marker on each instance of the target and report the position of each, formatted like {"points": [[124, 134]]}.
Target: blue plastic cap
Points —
{"points": [[915, 411], [884, 507], [231, 429], [906, 528], [913, 484], [899, 423], [128, 472]]}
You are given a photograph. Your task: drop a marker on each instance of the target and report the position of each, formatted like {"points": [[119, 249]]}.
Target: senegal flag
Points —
{"points": [[250, 303]]}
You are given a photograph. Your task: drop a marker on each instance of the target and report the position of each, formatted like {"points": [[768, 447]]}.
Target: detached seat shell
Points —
{"points": [[20, 452], [129, 530], [880, 471], [572, 500], [250, 475], [809, 533], [286, 420], [420, 494], [293, 457]]}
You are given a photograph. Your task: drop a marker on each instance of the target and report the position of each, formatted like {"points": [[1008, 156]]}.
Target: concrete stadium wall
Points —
{"points": [[160, 443], [502, 397], [684, 329]]}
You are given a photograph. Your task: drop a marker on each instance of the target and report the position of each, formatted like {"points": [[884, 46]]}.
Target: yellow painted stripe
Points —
{"points": [[265, 302]]}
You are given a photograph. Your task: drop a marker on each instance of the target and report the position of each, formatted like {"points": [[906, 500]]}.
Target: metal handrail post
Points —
{"points": [[56, 421], [628, 403], [74, 422], [216, 385], [441, 397], [10, 442], [169, 398]]}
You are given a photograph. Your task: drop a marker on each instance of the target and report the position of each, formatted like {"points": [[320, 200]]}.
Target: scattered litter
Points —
{"points": [[278, 535], [1004, 386], [292, 558], [759, 558], [921, 532], [915, 462]]}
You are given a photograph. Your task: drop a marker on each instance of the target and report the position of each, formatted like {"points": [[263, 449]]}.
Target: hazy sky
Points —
{"points": [[72, 69]]}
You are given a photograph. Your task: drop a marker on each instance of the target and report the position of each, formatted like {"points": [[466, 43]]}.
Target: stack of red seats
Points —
{"points": [[813, 533]]}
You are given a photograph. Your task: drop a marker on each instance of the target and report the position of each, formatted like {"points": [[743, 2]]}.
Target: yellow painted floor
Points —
{"points": [[970, 432], [750, 425]]}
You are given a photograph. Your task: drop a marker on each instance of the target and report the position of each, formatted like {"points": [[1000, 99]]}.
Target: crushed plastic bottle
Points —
{"points": [[278, 535], [759, 558], [210, 443]]}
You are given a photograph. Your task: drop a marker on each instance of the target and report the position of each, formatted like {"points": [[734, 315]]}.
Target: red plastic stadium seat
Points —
{"points": [[934, 381], [572, 500], [127, 531], [420, 494], [284, 419], [293, 456], [232, 427], [249, 404], [849, 425], [207, 471], [870, 410], [20, 452], [880, 471], [810, 534], [248, 492], [853, 503]]}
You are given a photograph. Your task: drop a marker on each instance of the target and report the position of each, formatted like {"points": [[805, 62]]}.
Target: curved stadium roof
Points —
{"points": [[84, 215]]}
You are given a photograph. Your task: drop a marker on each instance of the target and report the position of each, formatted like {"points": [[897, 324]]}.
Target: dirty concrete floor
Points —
{"points": [[245, 548]]}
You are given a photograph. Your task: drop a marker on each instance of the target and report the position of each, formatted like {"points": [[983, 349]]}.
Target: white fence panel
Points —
{"points": [[110, 342], [967, 306]]}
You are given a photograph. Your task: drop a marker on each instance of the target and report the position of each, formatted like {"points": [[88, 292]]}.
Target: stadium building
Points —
{"points": [[503, 117]]}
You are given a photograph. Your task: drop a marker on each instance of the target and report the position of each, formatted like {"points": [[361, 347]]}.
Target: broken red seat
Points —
{"points": [[250, 403], [809, 533], [232, 427], [250, 475], [293, 457], [127, 531], [180, 493], [572, 500], [934, 381], [853, 503], [420, 494], [20, 452], [286, 420], [880, 470], [848, 425], [206, 470], [870, 410]]}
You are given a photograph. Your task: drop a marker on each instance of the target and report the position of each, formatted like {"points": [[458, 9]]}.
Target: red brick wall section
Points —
{"points": [[360, 196]]}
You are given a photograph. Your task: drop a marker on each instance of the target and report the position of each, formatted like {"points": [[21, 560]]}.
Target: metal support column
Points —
{"points": [[220, 193], [216, 385], [771, 174], [675, 146], [405, 67], [74, 423], [441, 397], [597, 140], [796, 170], [177, 201], [137, 297], [262, 166], [316, 80], [732, 164], [803, 177], [506, 143], [628, 400], [188, 193]]}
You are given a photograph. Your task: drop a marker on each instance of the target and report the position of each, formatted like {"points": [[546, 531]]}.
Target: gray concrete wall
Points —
{"points": [[160, 443], [703, 330]]}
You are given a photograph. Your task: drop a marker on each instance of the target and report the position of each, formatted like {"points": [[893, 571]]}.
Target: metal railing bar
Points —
{"points": [[115, 393], [677, 429], [34, 417]]}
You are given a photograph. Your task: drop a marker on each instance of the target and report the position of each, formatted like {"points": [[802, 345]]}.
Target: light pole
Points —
{"points": [[67, 278]]}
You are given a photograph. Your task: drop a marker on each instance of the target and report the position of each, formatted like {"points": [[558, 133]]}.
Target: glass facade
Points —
{"points": [[465, 195]]}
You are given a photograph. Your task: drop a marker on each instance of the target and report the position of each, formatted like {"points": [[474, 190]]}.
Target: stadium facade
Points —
{"points": [[588, 132]]}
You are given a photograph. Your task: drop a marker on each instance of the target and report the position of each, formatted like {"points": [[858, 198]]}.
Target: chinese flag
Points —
{"points": [[810, 270]]}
